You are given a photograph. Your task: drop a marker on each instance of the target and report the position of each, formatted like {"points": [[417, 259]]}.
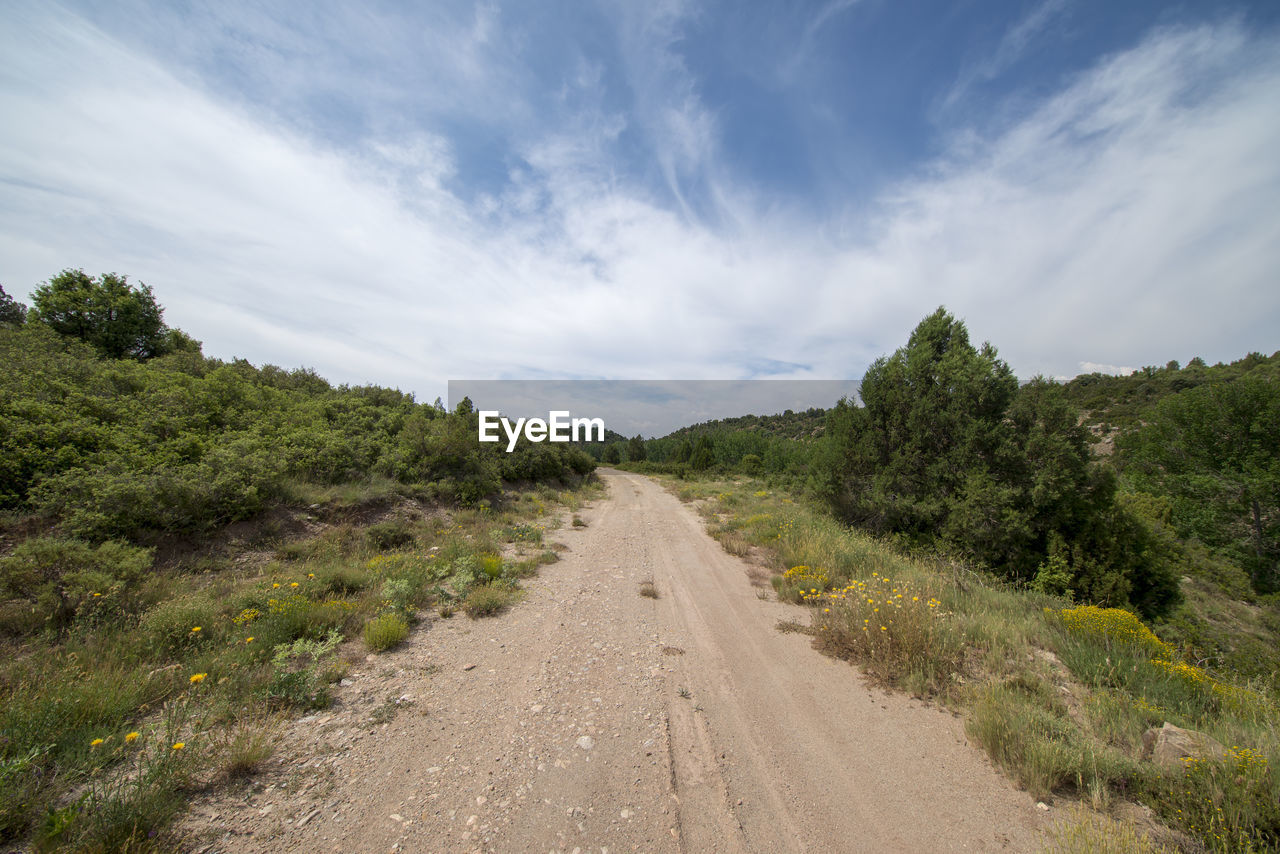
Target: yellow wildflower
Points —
{"points": [[179, 745], [198, 677], [131, 737], [95, 742]]}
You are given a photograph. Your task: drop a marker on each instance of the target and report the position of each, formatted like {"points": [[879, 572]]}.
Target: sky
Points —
{"points": [[409, 193]]}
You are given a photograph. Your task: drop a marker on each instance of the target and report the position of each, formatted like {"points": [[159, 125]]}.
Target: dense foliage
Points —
{"points": [[1214, 450], [1124, 402], [120, 448], [117, 318], [948, 449], [12, 312]]}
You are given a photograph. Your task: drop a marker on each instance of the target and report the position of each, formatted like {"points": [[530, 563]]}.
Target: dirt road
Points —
{"points": [[590, 718]]}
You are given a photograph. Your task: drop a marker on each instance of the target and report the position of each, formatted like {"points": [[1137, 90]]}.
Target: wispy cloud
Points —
{"points": [[1130, 218], [1013, 46]]}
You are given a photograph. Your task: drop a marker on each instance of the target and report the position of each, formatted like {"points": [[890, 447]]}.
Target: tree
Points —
{"points": [[12, 312], [948, 449], [120, 320], [635, 449], [704, 454], [932, 412], [611, 454], [1212, 450]]}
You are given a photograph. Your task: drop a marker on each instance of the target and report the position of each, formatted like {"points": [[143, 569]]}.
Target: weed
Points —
{"points": [[1085, 832], [487, 600], [244, 747], [297, 670], [385, 632], [577, 521], [648, 590]]}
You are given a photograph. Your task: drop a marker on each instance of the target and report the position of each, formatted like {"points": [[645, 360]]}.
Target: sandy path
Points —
{"points": [[594, 719]]}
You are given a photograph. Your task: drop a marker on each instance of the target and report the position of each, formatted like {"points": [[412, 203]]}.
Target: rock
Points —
{"points": [[1170, 745], [468, 667], [1042, 806], [586, 742]]}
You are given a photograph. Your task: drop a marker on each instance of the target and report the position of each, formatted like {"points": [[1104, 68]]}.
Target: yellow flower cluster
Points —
{"points": [[1186, 672], [879, 600], [761, 494], [248, 615], [812, 578], [286, 606], [1114, 624], [1117, 624]]}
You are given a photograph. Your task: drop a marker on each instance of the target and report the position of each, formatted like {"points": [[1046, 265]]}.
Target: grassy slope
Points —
{"points": [[238, 630], [1222, 625], [1059, 697]]}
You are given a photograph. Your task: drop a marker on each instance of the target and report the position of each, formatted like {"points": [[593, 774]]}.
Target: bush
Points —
{"points": [[385, 536], [385, 631], [487, 600], [297, 672], [69, 581]]}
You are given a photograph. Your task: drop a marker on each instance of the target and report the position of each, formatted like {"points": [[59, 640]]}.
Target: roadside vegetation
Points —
{"points": [[191, 550], [1058, 693], [1072, 586], [1072, 580]]}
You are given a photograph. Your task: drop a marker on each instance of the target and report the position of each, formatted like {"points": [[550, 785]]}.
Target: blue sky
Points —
{"points": [[409, 193]]}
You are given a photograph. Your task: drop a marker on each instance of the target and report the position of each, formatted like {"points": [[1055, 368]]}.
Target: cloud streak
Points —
{"points": [[1128, 219]]}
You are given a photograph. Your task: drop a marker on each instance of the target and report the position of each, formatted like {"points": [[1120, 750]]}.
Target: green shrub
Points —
{"points": [[491, 566], [178, 626], [71, 582], [297, 672], [386, 536], [487, 600], [385, 631]]}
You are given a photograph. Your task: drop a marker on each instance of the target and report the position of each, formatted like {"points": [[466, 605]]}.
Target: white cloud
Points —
{"points": [[1096, 368], [1130, 218]]}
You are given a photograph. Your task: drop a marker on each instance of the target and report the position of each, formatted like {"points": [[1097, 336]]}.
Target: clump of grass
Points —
{"points": [[385, 536], [1085, 832], [577, 521], [487, 600], [648, 590], [245, 747], [893, 628], [1229, 803], [385, 632], [1028, 732]]}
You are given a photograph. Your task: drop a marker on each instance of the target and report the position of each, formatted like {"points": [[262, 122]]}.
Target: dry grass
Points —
{"points": [[648, 590]]}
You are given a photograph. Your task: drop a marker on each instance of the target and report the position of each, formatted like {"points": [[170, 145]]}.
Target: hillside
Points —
{"points": [[188, 547]]}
